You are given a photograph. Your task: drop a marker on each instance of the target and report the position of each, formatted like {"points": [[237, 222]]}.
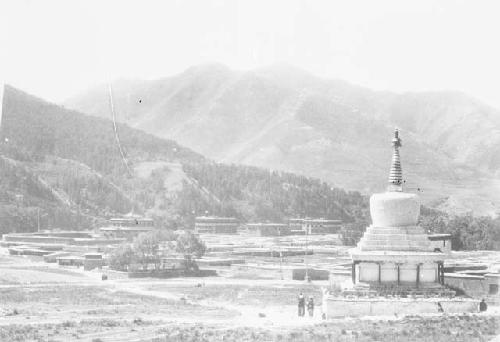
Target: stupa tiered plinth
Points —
{"points": [[394, 251], [395, 269]]}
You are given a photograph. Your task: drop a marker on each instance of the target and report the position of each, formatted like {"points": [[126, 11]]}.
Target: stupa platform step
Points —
{"points": [[400, 290], [397, 237], [408, 230]]}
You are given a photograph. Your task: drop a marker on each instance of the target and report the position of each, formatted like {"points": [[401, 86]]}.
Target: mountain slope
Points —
{"points": [[74, 161], [284, 118]]}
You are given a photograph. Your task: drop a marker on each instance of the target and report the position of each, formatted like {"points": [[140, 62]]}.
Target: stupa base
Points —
{"points": [[338, 306], [401, 290], [414, 268]]}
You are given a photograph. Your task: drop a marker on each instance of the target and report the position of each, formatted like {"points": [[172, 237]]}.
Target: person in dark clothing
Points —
{"points": [[310, 306], [440, 308], [302, 304], [483, 306]]}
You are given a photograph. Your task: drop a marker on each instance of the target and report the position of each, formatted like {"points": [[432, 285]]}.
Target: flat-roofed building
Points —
{"points": [[92, 260], [295, 224], [127, 227], [131, 222], [267, 229], [216, 225], [71, 260], [129, 233], [441, 242], [321, 226]]}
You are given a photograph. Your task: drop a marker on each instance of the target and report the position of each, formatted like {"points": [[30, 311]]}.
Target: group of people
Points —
{"points": [[302, 305]]}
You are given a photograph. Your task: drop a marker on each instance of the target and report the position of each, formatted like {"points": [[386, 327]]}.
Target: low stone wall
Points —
{"points": [[219, 261], [342, 307], [314, 274], [36, 239], [90, 264], [263, 271], [474, 286], [172, 274]]}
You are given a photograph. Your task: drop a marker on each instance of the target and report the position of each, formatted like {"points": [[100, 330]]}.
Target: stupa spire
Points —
{"points": [[396, 173]]}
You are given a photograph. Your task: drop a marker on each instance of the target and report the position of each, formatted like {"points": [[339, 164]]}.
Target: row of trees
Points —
{"points": [[150, 248], [467, 231]]}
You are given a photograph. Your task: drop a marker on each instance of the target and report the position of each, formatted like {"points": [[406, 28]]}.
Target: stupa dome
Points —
{"points": [[394, 209]]}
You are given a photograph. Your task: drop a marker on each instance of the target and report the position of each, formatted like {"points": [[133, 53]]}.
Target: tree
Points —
{"points": [[352, 232], [190, 245], [122, 257], [146, 247]]}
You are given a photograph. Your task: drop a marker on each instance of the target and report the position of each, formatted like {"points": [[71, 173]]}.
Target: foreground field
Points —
{"points": [[414, 329], [40, 302]]}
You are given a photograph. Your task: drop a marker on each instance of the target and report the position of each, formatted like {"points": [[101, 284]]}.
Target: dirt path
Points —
{"points": [[248, 315]]}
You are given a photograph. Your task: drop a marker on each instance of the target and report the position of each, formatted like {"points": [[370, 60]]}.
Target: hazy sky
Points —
{"points": [[55, 49]]}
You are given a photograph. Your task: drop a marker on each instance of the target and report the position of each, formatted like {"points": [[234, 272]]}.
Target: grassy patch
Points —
{"points": [[91, 301], [76, 295], [64, 331], [465, 328]]}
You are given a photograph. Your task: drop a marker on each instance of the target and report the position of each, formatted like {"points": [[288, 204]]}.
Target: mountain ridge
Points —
{"points": [[67, 165], [284, 118]]}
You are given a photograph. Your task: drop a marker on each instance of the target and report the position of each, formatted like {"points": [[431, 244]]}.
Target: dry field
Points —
{"points": [[240, 292], [41, 302], [413, 329]]}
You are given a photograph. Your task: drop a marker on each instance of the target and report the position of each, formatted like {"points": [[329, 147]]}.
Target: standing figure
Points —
{"points": [[440, 307], [302, 304], [310, 306], [483, 306]]}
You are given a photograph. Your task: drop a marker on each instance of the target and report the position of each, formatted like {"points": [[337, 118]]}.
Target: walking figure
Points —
{"points": [[440, 308], [302, 305], [310, 306]]}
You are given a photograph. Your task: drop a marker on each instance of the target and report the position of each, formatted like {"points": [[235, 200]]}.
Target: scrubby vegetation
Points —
{"points": [[413, 329]]}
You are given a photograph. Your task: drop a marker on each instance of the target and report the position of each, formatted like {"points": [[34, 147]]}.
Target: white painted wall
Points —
{"points": [[368, 271], [408, 273], [428, 273], [389, 272], [340, 307]]}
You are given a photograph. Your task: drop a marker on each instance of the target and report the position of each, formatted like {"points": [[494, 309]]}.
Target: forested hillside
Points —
{"points": [[275, 195], [76, 161]]}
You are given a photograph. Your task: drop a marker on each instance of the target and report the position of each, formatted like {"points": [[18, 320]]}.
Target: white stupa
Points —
{"points": [[394, 250], [395, 269]]}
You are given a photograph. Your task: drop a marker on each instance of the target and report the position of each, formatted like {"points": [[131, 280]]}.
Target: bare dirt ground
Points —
{"points": [[42, 302]]}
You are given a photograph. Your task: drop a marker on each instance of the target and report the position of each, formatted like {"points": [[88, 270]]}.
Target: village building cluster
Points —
{"points": [[396, 266]]}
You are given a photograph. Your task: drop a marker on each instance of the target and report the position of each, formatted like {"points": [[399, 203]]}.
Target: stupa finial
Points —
{"points": [[396, 173]]}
